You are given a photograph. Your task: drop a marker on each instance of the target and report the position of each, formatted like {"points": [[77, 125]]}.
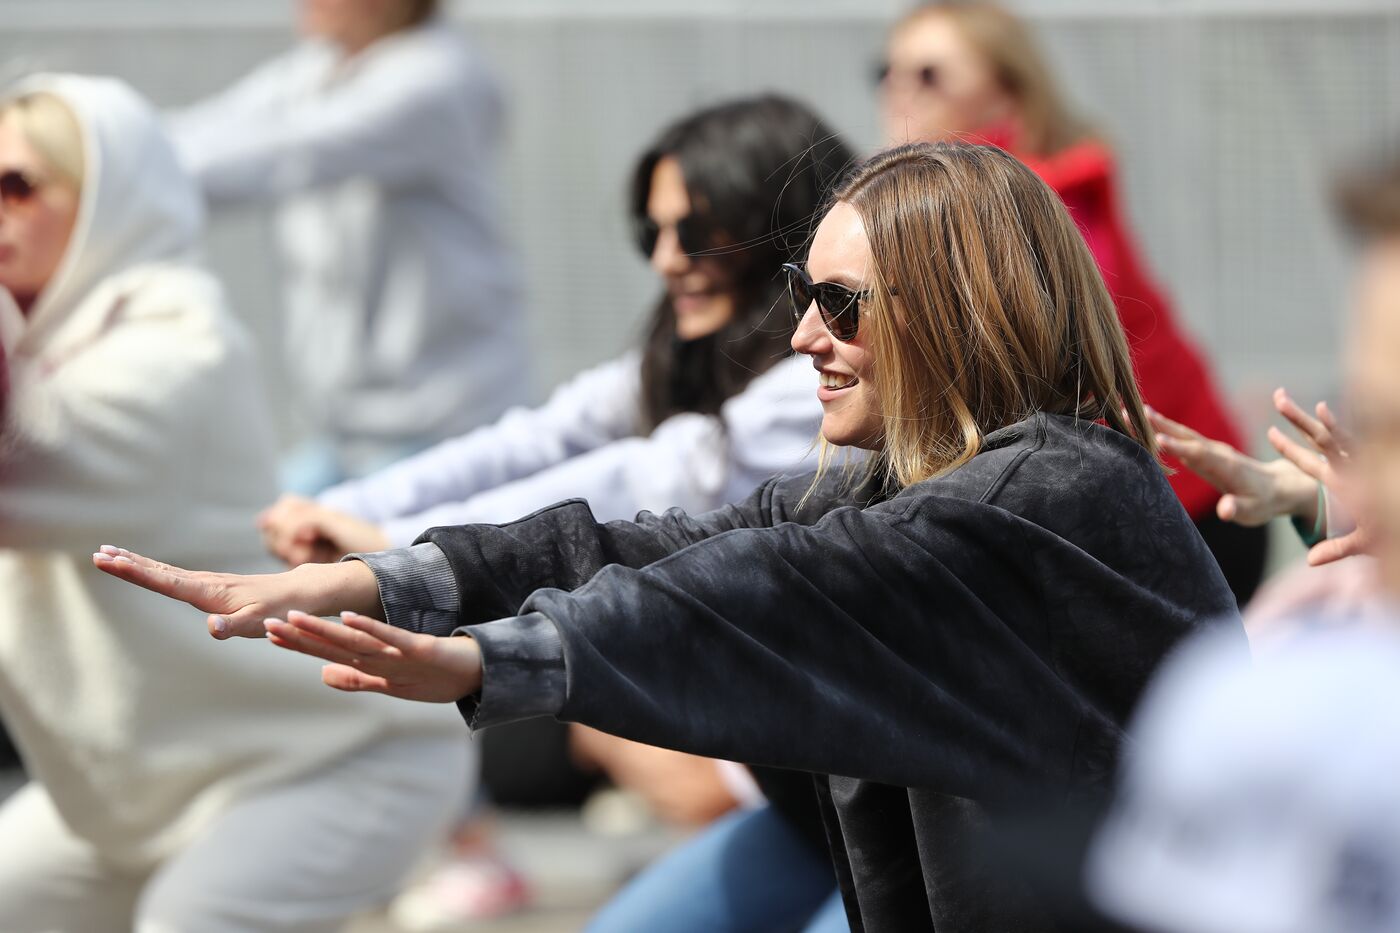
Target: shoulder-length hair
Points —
{"points": [[758, 170], [1001, 311], [1048, 123]]}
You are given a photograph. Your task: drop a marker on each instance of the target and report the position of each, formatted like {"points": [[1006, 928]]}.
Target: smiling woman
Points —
{"points": [[967, 626]]}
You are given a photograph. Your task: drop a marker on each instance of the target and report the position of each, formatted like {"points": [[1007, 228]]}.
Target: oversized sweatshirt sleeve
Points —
{"points": [[408, 117], [854, 646], [690, 461], [100, 448], [471, 573], [590, 411]]}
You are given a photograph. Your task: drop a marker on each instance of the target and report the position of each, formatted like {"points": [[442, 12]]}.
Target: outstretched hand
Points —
{"points": [[300, 530], [368, 655], [238, 603], [1252, 492], [1325, 462]]}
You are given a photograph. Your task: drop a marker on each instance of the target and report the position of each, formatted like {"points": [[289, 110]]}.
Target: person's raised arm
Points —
{"points": [[593, 409], [405, 120], [1253, 492], [238, 604], [690, 461]]}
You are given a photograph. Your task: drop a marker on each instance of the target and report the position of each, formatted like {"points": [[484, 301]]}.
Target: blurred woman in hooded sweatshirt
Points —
{"points": [[160, 799]]}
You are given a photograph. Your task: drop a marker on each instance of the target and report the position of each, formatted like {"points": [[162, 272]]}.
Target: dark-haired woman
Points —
{"points": [[712, 404], [965, 629]]}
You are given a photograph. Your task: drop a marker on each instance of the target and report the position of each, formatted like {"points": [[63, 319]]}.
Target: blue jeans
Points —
{"points": [[747, 871]]}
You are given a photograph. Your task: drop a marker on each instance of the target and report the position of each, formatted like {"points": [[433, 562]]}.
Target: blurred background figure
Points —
{"points": [[710, 404], [376, 138], [970, 69], [176, 785], [1340, 484], [1260, 797]]}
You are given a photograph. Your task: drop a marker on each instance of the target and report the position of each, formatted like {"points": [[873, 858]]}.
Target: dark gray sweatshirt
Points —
{"points": [[970, 641]]}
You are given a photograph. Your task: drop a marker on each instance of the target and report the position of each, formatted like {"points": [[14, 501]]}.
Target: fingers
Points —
{"points": [[351, 680], [407, 642], [359, 641], [1217, 463], [1227, 507], [1339, 434], [293, 637], [1312, 428], [1335, 549], [1304, 459], [144, 572], [1173, 429]]}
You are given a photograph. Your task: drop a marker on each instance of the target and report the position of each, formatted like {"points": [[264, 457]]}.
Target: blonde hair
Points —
{"points": [[1048, 125], [48, 125], [1000, 311]]}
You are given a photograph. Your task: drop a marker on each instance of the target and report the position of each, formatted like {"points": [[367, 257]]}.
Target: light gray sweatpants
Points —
{"points": [[300, 857]]}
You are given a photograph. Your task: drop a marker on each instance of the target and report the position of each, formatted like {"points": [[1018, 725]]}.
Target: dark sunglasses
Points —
{"points": [[696, 237], [926, 77], [16, 188], [838, 305]]}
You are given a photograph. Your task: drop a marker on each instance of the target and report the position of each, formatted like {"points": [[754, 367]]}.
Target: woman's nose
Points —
{"points": [[668, 258], [811, 336]]}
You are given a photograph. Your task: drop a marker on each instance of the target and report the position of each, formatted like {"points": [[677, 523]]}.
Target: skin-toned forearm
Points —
{"points": [[330, 589]]}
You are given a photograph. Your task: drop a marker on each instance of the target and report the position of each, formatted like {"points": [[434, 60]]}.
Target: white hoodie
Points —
{"points": [[137, 419]]}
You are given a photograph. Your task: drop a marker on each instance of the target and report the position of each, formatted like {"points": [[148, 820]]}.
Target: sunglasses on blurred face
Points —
{"points": [[695, 236], [925, 77], [17, 188], [838, 305]]}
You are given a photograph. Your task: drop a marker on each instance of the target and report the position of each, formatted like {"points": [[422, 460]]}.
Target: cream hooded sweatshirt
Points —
{"points": [[136, 418]]}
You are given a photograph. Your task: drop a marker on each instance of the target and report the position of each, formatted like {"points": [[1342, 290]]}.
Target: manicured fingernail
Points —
{"points": [[110, 549], [123, 559], [100, 557], [347, 614]]}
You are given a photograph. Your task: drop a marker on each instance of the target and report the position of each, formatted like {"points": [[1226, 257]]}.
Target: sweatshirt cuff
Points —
{"points": [[522, 670], [417, 588]]}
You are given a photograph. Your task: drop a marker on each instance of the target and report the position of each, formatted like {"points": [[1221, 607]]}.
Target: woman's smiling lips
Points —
{"points": [[834, 383]]}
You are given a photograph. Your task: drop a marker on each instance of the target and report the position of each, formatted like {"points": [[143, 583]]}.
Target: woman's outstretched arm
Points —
{"points": [[851, 647], [238, 603]]}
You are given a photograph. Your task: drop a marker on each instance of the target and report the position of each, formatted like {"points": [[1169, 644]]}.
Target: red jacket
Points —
{"points": [[1172, 374]]}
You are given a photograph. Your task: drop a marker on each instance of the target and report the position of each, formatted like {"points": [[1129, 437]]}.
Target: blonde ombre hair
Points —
{"points": [[48, 125], [1048, 124], [1000, 310]]}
